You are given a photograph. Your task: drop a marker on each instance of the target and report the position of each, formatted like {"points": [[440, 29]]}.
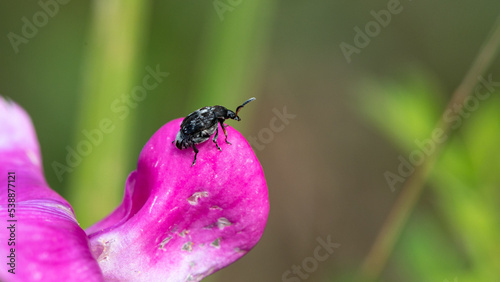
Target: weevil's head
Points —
{"points": [[230, 114], [222, 112]]}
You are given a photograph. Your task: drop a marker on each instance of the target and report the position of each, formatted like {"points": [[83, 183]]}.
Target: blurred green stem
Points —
{"points": [[233, 55], [377, 258], [102, 136]]}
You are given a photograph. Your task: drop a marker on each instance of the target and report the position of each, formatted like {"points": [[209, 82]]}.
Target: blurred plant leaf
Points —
{"points": [[109, 73], [464, 180], [404, 110], [427, 251], [233, 54]]}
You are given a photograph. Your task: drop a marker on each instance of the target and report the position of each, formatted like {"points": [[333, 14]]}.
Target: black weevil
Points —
{"points": [[197, 127]]}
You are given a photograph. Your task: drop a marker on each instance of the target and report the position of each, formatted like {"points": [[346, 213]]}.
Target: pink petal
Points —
{"points": [[178, 222], [49, 244]]}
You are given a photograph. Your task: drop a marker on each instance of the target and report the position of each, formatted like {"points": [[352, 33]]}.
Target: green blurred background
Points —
{"points": [[82, 62]]}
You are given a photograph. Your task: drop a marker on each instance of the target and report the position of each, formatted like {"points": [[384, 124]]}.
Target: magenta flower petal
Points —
{"points": [[46, 242], [182, 223], [176, 222]]}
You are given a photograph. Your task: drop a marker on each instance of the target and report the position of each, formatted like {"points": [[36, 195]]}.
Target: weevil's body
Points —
{"points": [[198, 126]]}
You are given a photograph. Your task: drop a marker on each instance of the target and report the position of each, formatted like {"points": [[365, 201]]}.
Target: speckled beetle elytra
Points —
{"points": [[197, 127]]}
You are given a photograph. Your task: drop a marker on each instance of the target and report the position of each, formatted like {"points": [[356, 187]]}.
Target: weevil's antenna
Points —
{"points": [[242, 105]]}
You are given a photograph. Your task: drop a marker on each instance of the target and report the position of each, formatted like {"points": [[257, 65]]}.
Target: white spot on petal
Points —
{"points": [[165, 241], [33, 158], [223, 222], [187, 247], [193, 200], [216, 243], [154, 201]]}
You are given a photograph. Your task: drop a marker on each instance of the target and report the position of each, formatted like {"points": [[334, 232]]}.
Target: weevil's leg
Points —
{"points": [[215, 138], [195, 154], [225, 132]]}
